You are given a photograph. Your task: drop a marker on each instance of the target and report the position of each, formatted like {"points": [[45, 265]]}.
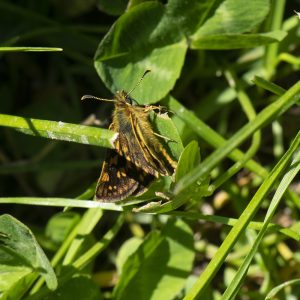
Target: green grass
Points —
{"points": [[225, 225]]}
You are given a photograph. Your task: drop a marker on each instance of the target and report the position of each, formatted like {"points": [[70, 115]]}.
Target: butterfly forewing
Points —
{"points": [[151, 146], [128, 144]]}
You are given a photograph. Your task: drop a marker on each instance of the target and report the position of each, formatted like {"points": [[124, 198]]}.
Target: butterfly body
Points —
{"points": [[138, 157]]}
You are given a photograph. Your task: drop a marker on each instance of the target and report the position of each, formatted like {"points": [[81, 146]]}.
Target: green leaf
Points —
{"points": [[186, 16], [234, 16], [236, 41], [128, 248], [14, 281], [161, 185], [79, 288], [160, 266], [21, 255], [223, 29], [189, 159], [114, 8], [165, 127], [142, 39], [60, 130]]}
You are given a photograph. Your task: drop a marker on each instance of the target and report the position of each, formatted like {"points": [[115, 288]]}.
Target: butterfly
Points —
{"points": [[139, 155]]}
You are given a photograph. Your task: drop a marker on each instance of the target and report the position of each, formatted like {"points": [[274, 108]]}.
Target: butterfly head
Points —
{"points": [[124, 98], [121, 97]]}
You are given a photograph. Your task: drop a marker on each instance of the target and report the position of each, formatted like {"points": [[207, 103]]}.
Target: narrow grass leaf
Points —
{"points": [[237, 41], [269, 86], [60, 130], [60, 202], [272, 294], [29, 49]]}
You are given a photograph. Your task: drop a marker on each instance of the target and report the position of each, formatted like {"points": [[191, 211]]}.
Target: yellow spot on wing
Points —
{"points": [[117, 145], [105, 177], [124, 149], [123, 173]]}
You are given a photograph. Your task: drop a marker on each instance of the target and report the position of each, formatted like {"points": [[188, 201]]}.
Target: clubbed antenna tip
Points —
{"points": [[96, 98]]}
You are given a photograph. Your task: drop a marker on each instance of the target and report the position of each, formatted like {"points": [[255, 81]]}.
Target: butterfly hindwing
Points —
{"points": [[120, 178], [114, 184]]}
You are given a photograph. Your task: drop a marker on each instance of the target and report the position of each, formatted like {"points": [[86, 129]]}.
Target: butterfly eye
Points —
{"points": [[129, 100]]}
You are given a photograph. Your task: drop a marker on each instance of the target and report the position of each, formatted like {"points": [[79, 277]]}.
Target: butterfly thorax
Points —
{"points": [[126, 111]]}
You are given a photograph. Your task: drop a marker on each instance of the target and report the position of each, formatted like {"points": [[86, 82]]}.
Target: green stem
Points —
{"points": [[276, 24]]}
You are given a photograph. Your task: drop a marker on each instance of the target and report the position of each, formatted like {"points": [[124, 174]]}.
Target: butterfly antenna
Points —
{"points": [[96, 98], [139, 82]]}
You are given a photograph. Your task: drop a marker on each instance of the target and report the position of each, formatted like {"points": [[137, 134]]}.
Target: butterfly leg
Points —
{"points": [[155, 107], [163, 137]]}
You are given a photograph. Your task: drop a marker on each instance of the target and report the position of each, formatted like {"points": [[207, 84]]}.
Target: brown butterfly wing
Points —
{"points": [[128, 146], [143, 134], [120, 179], [151, 145], [114, 183]]}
